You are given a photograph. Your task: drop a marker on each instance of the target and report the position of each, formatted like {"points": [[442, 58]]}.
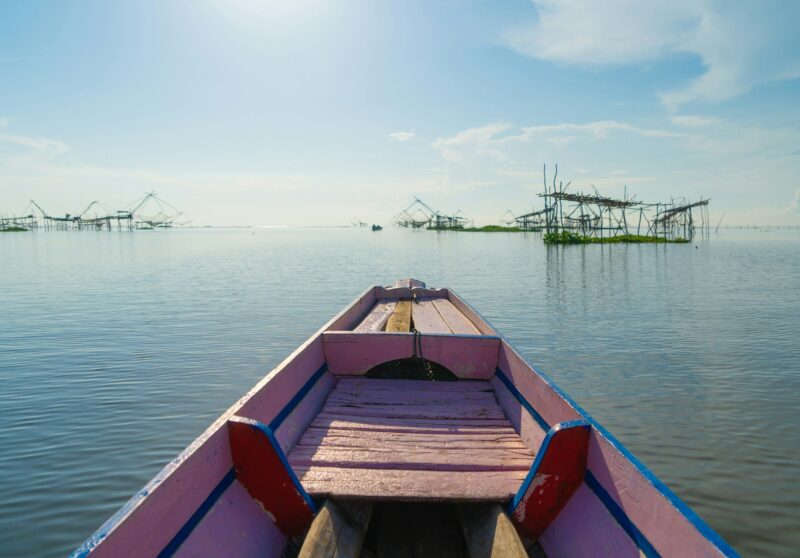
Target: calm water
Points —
{"points": [[116, 350]]}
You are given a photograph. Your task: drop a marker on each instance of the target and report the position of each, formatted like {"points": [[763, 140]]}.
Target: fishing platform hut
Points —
{"points": [[420, 215], [148, 212], [594, 216]]}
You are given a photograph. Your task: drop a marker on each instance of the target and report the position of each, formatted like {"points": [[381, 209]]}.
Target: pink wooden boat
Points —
{"points": [[406, 426]]}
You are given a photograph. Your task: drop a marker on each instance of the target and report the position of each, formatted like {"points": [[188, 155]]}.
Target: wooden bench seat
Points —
{"points": [[411, 440]]}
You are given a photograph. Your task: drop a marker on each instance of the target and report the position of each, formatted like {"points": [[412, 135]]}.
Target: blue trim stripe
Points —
{"points": [[184, 532], [282, 456], [298, 397], [696, 521], [521, 398], [212, 498], [618, 513], [540, 456], [620, 516], [209, 502]]}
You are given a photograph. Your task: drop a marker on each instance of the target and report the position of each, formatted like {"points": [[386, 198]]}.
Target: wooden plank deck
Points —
{"points": [[438, 315], [400, 320], [457, 321], [378, 316], [411, 440], [427, 318], [429, 315]]}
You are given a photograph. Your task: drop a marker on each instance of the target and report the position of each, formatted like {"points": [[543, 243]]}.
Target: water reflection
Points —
{"points": [[117, 349]]}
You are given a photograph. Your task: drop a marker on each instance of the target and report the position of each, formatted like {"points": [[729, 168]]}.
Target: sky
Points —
{"points": [[313, 112]]}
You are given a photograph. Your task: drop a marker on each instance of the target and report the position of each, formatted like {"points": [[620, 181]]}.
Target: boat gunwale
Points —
{"points": [[476, 336], [679, 505], [378, 293], [132, 504]]}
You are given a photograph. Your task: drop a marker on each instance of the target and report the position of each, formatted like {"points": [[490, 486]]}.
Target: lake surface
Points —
{"points": [[118, 349]]}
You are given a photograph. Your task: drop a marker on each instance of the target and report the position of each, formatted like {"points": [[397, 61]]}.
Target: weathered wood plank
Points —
{"points": [[385, 397], [383, 293], [466, 411], [410, 283], [380, 433], [429, 426], [397, 457], [467, 486], [425, 427], [341, 437], [469, 312], [337, 531], [442, 443], [357, 383], [457, 321], [400, 320], [378, 316], [427, 319], [469, 357], [489, 533]]}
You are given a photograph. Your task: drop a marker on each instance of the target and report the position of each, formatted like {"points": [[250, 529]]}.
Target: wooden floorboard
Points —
{"points": [[400, 320], [422, 426], [386, 397], [378, 316], [357, 438], [410, 485], [427, 318], [351, 383], [457, 321], [411, 458], [411, 440]]}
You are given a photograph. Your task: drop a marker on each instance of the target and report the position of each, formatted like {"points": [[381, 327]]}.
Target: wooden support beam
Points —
{"points": [[337, 531], [489, 533], [400, 320]]}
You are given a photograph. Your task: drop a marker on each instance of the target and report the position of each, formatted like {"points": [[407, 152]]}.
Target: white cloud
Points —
{"points": [[41, 145], [741, 44], [501, 155], [402, 136], [491, 140], [479, 139], [704, 156], [693, 120], [612, 32], [599, 129]]}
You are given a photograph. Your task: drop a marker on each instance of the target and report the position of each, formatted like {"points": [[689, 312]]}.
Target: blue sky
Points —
{"points": [[246, 112]]}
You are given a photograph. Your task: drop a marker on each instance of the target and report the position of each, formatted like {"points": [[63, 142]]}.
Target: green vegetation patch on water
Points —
{"points": [[567, 237], [13, 229], [487, 228]]}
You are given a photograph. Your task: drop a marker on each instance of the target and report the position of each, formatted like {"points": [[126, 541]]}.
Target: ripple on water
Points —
{"points": [[116, 350]]}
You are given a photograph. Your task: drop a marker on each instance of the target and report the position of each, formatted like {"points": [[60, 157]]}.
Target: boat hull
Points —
{"points": [[203, 503]]}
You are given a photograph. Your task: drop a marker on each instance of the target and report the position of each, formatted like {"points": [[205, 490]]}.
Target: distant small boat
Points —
{"points": [[377, 228], [406, 400]]}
